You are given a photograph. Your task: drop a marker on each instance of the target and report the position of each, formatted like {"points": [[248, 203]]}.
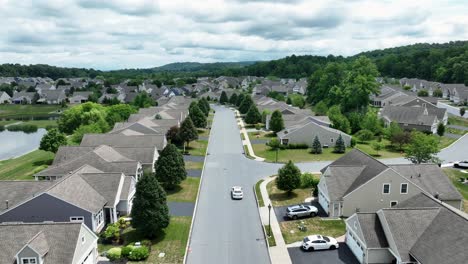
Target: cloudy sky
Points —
{"points": [[114, 34]]}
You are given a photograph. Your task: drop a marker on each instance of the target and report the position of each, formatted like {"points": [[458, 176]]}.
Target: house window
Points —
{"points": [[100, 217], [386, 188], [29, 261], [393, 203], [404, 188], [83, 239], [331, 140], [76, 219]]}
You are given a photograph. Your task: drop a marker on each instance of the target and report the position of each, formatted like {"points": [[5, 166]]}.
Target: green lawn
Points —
{"points": [[198, 147], [261, 135], [454, 176], [385, 153], [7, 122], [187, 191], [203, 132], [23, 168], [459, 121], [291, 232], [28, 110], [281, 198], [172, 241], [455, 131], [271, 239], [258, 193], [41, 123], [445, 142], [296, 155]]}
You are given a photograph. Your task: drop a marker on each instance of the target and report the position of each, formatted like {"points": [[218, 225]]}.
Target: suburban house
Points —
{"points": [[137, 128], [357, 182], [147, 156], [420, 230], [47, 243], [422, 118], [4, 98], [104, 158], [106, 96], [120, 140], [52, 96], [460, 94], [79, 97], [23, 97], [305, 134], [87, 195]]}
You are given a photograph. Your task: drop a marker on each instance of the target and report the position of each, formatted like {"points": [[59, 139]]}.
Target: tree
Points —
{"points": [[401, 139], [377, 146], [275, 145], [143, 100], [340, 146], [339, 121], [276, 121], [170, 167], [53, 140], [422, 148], [240, 98], [289, 178], [118, 113], [204, 106], [233, 99], [321, 108], [150, 213], [188, 132], [223, 99], [462, 111], [253, 116], [364, 135], [173, 135], [265, 113], [437, 93], [83, 114], [316, 146], [423, 93], [440, 129], [246, 104], [371, 122], [288, 101], [197, 116]]}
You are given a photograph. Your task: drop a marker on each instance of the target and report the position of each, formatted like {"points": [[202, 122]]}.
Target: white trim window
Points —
{"points": [[28, 260], [100, 217], [76, 219], [404, 188], [331, 140], [393, 203], [386, 188]]}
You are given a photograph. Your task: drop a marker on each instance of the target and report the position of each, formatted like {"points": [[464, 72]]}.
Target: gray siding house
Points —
{"points": [[420, 230], [357, 182], [305, 134], [47, 243], [120, 140], [4, 98]]}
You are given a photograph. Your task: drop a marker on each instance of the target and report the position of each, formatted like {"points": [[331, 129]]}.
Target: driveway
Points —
{"points": [[280, 211], [342, 255], [181, 208]]}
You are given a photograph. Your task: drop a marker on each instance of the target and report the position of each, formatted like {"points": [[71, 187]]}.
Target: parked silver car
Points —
{"points": [[300, 210]]}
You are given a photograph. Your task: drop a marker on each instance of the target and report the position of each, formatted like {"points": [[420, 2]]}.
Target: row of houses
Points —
{"points": [[456, 92], [85, 188], [300, 125], [402, 213]]}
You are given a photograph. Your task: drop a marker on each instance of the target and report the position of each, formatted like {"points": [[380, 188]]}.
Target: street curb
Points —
{"points": [[454, 142], [198, 196], [261, 223]]}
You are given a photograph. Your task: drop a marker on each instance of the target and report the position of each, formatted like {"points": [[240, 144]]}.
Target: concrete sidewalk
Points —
{"points": [[246, 141], [279, 254]]}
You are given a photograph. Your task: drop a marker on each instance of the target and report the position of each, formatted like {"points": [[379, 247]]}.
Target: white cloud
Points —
{"points": [[147, 33]]}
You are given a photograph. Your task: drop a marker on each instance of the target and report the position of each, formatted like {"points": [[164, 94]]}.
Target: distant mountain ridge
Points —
{"points": [[197, 66]]}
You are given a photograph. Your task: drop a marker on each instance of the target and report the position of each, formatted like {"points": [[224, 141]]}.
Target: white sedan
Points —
{"points": [[319, 242], [461, 164], [237, 193]]}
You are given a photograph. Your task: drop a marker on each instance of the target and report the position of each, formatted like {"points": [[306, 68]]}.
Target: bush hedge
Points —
{"points": [[139, 253], [26, 128], [114, 254]]}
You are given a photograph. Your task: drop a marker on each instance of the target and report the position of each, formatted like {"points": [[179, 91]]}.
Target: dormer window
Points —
{"points": [[28, 261]]}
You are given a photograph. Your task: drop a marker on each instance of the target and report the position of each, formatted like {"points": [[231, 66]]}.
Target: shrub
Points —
{"points": [[297, 146], [126, 251], [26, 128], [147, 243], [364, 135], [49, 127], [406, 87], [114, 254], [308, 180], [139, 253], [2, 128], [112, 232], [423, 93]]}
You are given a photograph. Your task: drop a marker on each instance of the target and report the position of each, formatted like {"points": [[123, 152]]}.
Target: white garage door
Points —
{"points": [[90, 258], [323, 202], [355, 246]]}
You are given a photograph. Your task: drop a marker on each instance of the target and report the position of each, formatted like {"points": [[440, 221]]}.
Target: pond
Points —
{"points": [[15, 144]]}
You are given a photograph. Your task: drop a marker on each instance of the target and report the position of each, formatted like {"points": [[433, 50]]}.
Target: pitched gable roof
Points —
{"points": [[372, 230], [16, 192], [119, 140], [39, 244]]}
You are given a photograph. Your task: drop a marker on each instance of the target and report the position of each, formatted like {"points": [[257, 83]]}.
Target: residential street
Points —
{"points": [[227, 231]]}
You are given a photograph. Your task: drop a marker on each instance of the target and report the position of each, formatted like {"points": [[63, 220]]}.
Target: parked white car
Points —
{"points": [[319, 242], [237, 193], [461, 164]]}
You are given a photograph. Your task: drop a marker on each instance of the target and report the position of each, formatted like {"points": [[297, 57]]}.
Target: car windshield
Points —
{"points": [[326, 238], [236, 191], [306, 239]]}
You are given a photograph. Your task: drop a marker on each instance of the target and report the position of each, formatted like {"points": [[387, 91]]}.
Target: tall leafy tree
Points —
{"points": [[150, 213], [233, 99], [83, 114], [143, 100], [170, 167], [223, 99], [339, 121], [276, 121], [289, 178], [118, 113], [246, 104], [316, 146], [188, 132], [173, 135], [53, 140], [253, 116], [197, 116], [422, 148], [240, 98], [340, 146]]}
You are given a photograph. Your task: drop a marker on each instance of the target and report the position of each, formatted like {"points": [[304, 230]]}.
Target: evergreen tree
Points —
{"points": [[223, 99], [204, 106], [53, 140], [288, 101], [289, 177], [188, 132], [246, 104], [340, 146], [240, 98], [197, 116], [462, 111], [276, 121], [253, 116], [440, 129], [233, 99], [170, 167], [150, 213], [316, 146]]}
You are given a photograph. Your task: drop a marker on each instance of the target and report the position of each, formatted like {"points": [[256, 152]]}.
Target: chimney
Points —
{"points": [[436, 195], [6, 202]]}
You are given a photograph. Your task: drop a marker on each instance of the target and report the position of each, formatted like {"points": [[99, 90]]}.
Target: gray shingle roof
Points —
{"points": [[61, 240], [129, 184], [341, 179], [16, 192], [372, 230], [119, 140], [39, 244], [106, 184], [409, 115]]}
